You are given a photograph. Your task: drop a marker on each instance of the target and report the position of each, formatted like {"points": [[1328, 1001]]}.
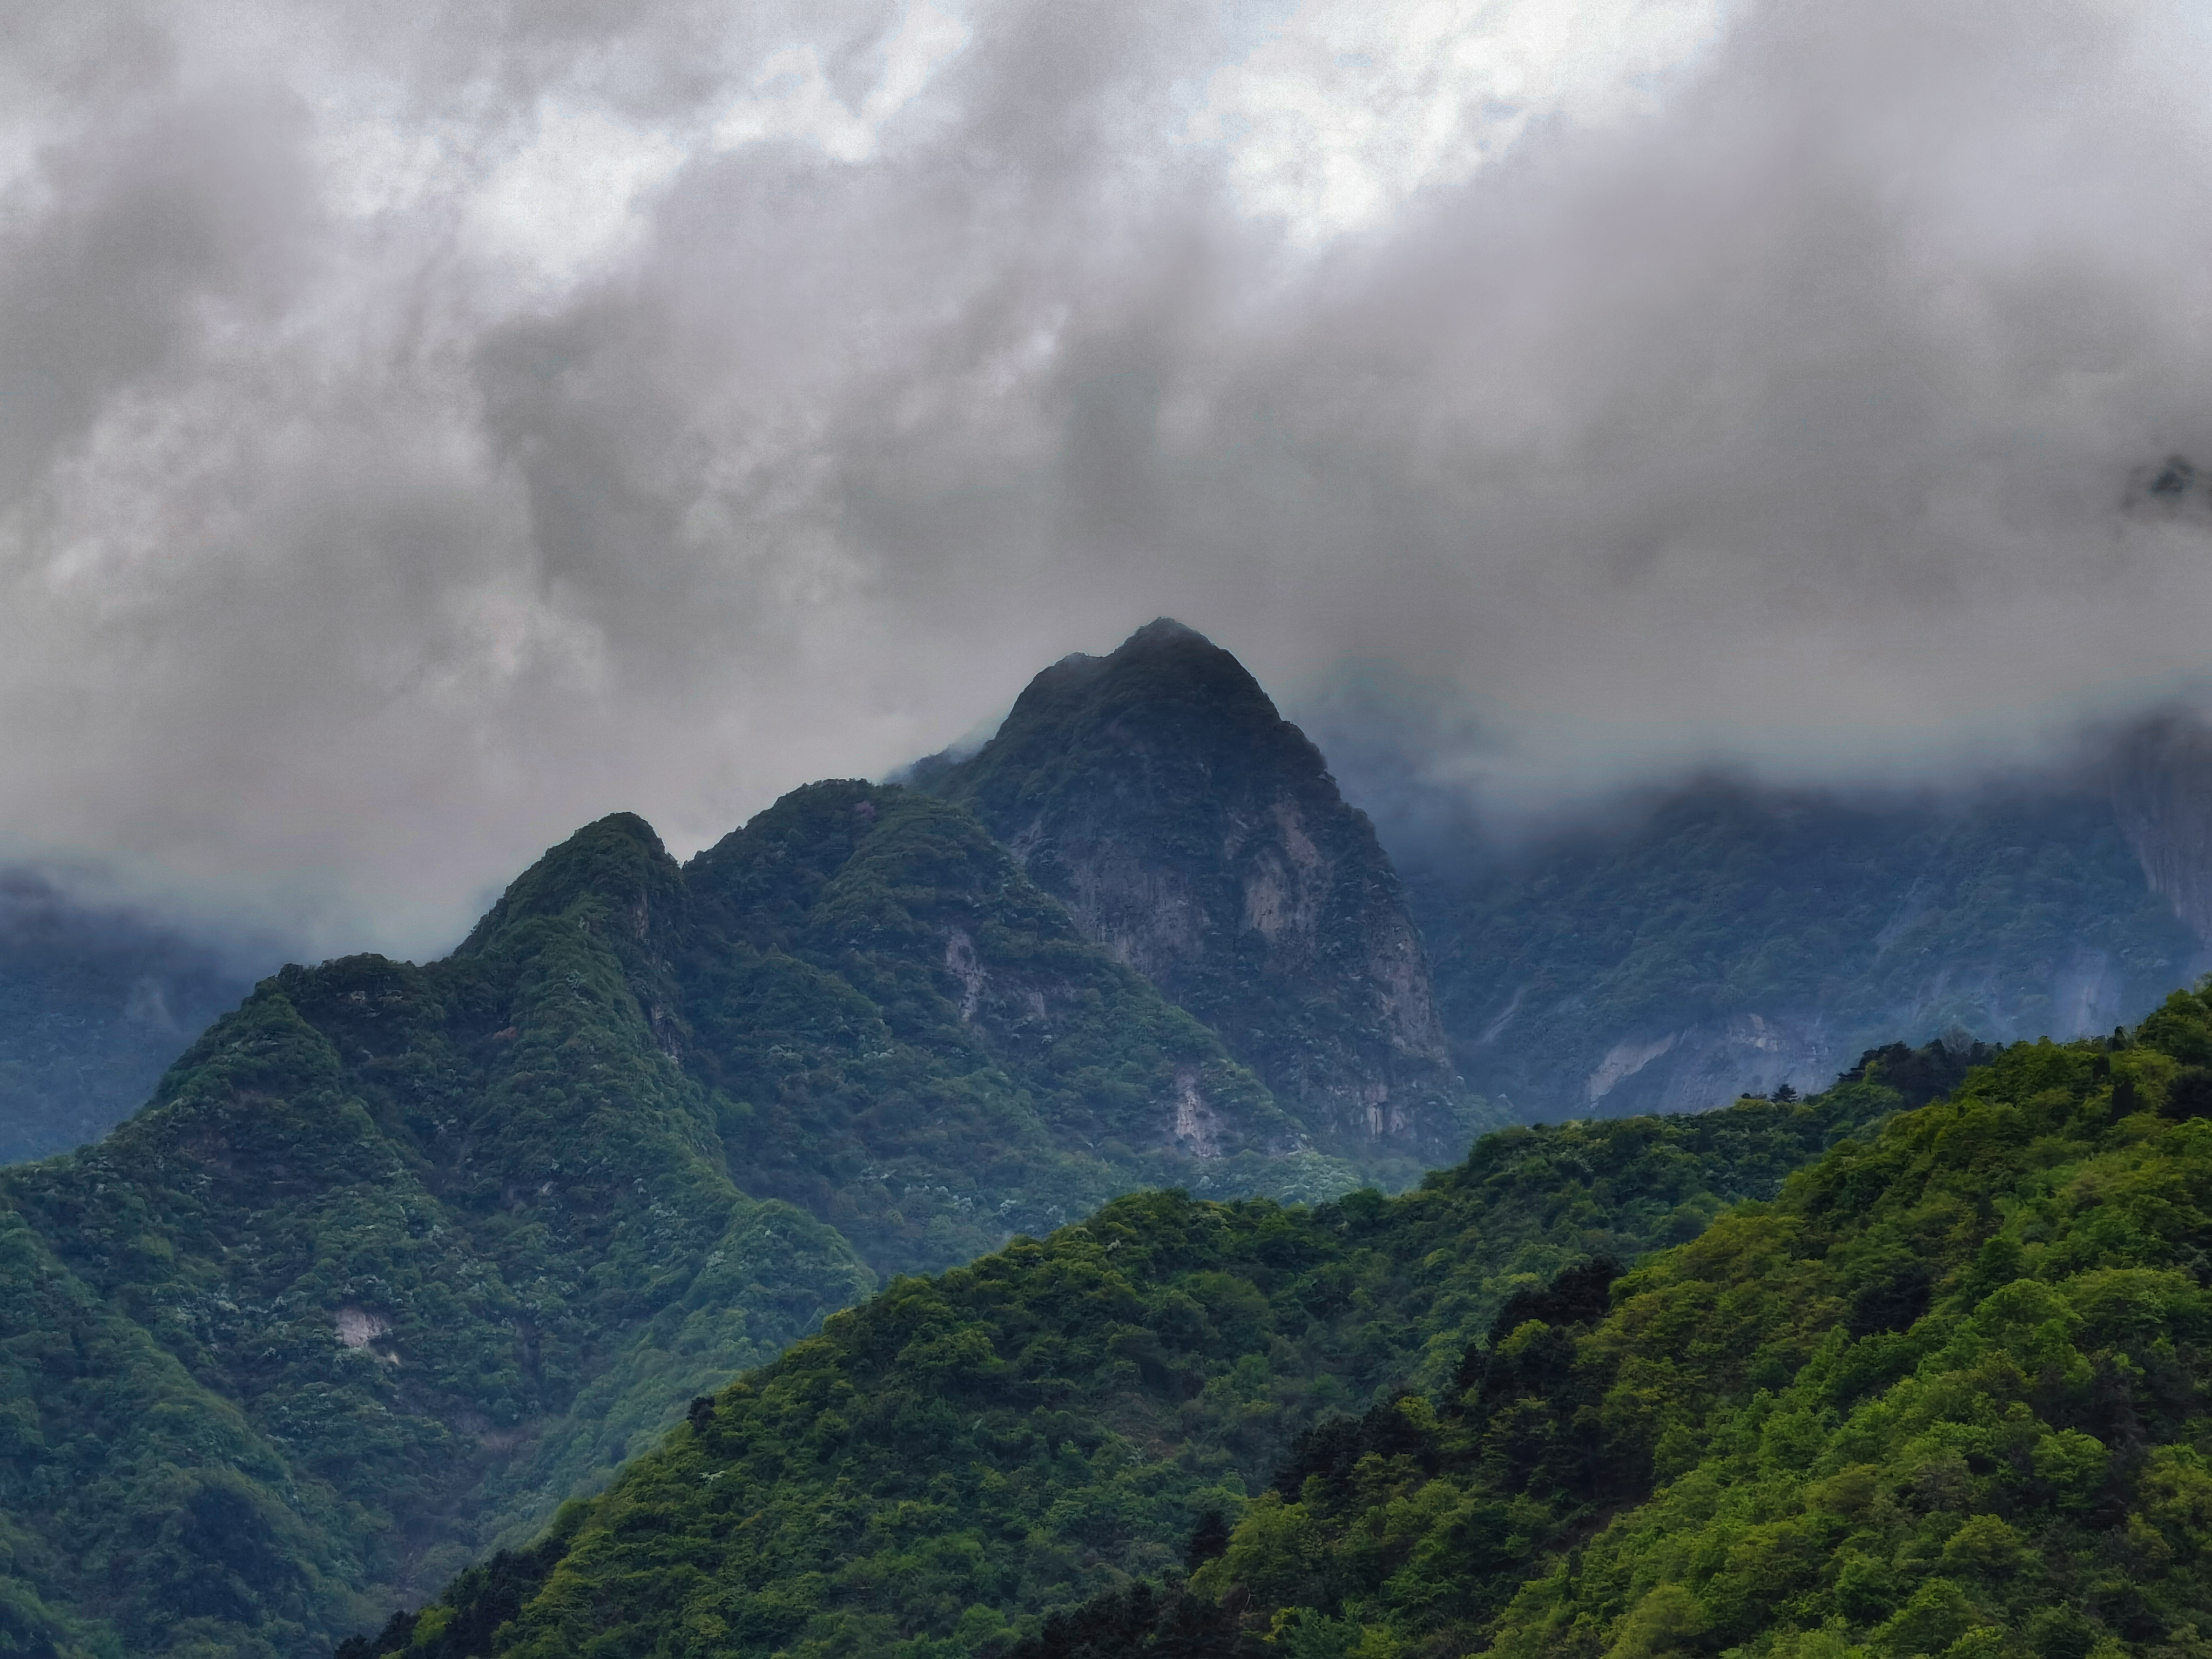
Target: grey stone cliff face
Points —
{"points": [[2162, 797], [1198, 836]]}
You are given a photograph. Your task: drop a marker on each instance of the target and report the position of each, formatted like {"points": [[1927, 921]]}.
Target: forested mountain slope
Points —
{"points": [[958, 1455], [1944, 1393], [1947, 1395], [399, 1256], [1198, 836]]}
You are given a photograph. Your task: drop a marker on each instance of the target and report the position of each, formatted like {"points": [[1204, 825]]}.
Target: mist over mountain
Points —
{"points": [[433, 434], [397, 1258], [95, 1001], [1722, 490], [1666, 948]]}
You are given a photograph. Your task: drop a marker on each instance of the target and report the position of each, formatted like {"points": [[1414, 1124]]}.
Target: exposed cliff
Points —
{"points": [[2162, 797], [1198, 836]]}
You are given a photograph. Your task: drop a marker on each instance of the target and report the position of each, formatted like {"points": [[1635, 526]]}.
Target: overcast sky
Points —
{"points": [[428, 427]]}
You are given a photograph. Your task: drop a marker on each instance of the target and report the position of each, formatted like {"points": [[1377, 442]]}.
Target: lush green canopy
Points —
{"points": [[1942, 1391], [962, 1453]]}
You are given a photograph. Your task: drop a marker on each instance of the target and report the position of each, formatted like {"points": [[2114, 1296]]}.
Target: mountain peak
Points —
{"points": [[1197, 835], [617, 861], [1161, 632]]}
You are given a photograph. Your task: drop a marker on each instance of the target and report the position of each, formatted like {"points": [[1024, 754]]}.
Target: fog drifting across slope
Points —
{"points": [[433, 430]]}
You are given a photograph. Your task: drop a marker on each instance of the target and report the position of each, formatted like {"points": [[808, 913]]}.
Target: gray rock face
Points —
{"points": [[2162, 797], [1198, 836]]}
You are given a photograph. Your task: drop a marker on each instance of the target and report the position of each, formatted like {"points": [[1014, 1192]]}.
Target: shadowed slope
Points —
{"points": [[401, 1256]]}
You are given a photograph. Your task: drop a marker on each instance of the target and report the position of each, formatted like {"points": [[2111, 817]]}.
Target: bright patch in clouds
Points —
{"points": [[1354, 105], [566, 202], [790, 97], [432, 426]]}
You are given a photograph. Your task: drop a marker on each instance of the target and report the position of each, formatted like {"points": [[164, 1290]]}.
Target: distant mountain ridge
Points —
{"points": [[1716, 937], [95, 1002], [400, 1257], [1670, 947], [1731, 939]]}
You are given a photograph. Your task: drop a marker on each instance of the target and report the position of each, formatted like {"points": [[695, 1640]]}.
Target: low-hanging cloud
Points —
{"points": [[429, 429]]}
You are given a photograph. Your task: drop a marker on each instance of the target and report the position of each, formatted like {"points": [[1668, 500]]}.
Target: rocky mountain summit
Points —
{"points": [[1198, 836]]}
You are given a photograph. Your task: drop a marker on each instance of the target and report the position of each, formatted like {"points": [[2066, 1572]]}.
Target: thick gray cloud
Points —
{"points": [[426, 426]]}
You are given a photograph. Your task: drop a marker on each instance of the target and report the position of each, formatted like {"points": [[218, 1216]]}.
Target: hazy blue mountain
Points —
{"points": [[94, 1003], [400, 1256], [1726, 937]]}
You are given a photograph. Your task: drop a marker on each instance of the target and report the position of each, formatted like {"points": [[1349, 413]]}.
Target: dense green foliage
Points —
{"points": [[904, 1036], [401, 1256], [1186, 824], [1840, 924], [1944, 1393], [960, 1454], [1945, 1396]]}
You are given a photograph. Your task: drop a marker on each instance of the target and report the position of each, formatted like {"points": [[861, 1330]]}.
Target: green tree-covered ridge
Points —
{"points": [[960, 1454], [399, 1256], [1943, 1394]]}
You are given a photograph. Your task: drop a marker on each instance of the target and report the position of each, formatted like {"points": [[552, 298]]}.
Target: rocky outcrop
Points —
{"points": [[1729, 938], [1198, 836], [2162, 797]]}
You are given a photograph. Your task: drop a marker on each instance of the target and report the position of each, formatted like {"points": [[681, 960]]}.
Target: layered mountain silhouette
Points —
{"points": [[1726, 938], [400, 1256], [1673, 952], [1671, 947]]}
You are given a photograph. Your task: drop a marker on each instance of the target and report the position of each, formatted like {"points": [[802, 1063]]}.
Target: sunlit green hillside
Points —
{"points": [[963, 1453], [1942, 1391]]}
